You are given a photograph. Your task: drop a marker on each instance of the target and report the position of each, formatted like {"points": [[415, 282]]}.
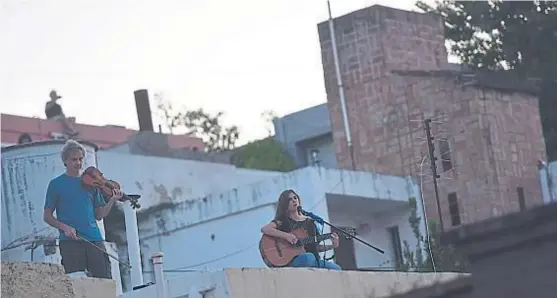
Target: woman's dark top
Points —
{"points": [[287, 225]]}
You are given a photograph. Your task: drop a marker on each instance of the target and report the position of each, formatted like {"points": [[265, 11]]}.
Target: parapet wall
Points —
{"points": [[46, 280], [328, 284], [295, 282]]}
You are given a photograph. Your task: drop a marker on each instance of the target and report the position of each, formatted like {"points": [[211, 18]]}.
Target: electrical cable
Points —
{"points": [[425, 213]]}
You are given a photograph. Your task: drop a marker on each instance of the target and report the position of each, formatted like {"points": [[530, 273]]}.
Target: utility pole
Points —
{"points": [[341, 88], [433, 159]]}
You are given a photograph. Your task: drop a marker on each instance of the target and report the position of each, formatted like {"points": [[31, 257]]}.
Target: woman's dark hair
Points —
{"points": [[283, 201]]}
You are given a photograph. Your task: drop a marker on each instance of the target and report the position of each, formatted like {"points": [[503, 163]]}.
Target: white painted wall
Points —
{"points": [[169, 180], [183, 231], [26, 172], [377, 235], [206, 199]]}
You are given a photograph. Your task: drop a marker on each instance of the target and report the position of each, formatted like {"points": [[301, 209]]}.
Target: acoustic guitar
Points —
{"points": [[277, 252]]}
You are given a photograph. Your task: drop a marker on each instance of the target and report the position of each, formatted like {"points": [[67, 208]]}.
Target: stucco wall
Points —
{"points": [[324, 283], [294, 282], [222, 229], [169, 180]]}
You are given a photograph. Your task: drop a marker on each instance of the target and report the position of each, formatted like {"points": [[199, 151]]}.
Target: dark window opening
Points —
{"points": [[395, 242], [453, 209], [521, 201], [445, 152]]}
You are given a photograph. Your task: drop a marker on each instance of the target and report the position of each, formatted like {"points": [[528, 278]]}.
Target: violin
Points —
{"points": [[92, 177]]}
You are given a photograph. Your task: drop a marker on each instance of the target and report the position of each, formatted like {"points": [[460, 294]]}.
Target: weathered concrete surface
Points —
{"points": [[283, 283], [46, 280], [28, 280], [85, 287]]}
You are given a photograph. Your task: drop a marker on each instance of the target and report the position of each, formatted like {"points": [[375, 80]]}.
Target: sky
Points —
{"points": [[241, 57]]}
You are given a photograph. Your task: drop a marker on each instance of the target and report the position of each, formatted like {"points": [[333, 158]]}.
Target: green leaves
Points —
{"points": [[266, 154], [198, 123], [510, 35]]}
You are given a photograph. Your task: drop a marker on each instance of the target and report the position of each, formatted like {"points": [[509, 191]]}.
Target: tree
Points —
{"points": [[266, 154], [268, 117], [509, 35], [199, 123], [445, 257]]}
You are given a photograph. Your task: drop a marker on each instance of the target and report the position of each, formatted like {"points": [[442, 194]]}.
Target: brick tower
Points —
{"points": [[395, 71]]}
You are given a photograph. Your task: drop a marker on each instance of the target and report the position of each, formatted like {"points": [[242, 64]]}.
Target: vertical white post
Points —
{"points": [[341, 88], [160, 281], [132, 236]]}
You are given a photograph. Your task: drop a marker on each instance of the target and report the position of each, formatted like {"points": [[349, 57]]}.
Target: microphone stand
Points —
{"points": [[322, 221]]}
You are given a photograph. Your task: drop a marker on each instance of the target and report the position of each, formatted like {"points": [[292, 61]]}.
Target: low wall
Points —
{"points": [[294, 282], [510, 256], [46, 280], [282, 283]]}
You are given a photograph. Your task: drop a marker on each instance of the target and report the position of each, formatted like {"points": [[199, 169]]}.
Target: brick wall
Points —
{"points": [[395, 71]]}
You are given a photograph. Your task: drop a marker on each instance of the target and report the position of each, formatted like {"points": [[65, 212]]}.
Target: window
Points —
{"points": [[453, 209], [445, 152], [395, 242], [521, 202]]}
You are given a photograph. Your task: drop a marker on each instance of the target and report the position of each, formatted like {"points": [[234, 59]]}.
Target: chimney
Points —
{"points": [[143, 110]]}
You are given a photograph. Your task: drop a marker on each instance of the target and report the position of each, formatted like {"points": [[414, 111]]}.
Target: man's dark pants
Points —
{"points": [[79, 255]]}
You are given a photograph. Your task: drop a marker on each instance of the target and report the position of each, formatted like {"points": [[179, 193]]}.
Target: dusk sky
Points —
{"points": [[242, 57]]}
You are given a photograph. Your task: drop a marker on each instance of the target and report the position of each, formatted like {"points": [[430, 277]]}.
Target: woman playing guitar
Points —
{"points": [[289, 221]]}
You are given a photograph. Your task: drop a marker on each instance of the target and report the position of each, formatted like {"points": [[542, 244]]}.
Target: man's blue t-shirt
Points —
{"points": [[75, 206]]}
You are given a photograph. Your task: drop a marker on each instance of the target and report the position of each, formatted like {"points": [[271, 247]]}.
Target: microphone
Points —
{"points": [[310, 215]]}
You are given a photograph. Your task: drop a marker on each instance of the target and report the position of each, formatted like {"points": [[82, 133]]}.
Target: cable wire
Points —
{"points": [[425, 213]]}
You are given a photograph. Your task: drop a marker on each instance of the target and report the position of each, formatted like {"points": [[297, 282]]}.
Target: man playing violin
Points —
{"points": [[77, 210]]}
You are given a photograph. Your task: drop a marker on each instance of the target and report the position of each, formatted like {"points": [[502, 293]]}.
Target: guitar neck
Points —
{"points": [[316, 239]]}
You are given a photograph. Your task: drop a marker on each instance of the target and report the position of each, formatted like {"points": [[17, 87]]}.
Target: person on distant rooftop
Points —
{"points": [[54, 111]]}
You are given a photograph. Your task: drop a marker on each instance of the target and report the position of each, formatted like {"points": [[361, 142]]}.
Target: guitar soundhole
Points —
{"points": [[298, 244]]}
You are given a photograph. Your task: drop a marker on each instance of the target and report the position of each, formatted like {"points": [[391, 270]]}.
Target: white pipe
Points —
{"points": [[160, 281], [339, 79], [132, 236]]}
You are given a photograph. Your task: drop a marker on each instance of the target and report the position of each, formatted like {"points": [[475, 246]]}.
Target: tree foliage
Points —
{"points": [[266, 154], [510, 35], [446, 257], [216, 136]]}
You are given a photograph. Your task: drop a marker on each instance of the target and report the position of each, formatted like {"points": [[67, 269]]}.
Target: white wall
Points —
{"points": [[183, 231], [548, 177], [26, 172], [169, 180], [377, 235]]}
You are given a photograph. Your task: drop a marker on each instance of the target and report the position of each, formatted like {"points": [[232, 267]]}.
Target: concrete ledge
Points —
{"points": [[46, 280], [457, 287], [85, 287], [282, 283]]}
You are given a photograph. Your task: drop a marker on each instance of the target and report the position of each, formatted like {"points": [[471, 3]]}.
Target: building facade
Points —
{"points": [[487, 129], [205, 215]]}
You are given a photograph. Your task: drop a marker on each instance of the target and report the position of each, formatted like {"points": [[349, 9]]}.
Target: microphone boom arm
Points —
{"points": [[322, 221]]}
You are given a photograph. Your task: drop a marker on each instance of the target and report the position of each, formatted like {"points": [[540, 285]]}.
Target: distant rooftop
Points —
{"points": [[13, 126]]}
